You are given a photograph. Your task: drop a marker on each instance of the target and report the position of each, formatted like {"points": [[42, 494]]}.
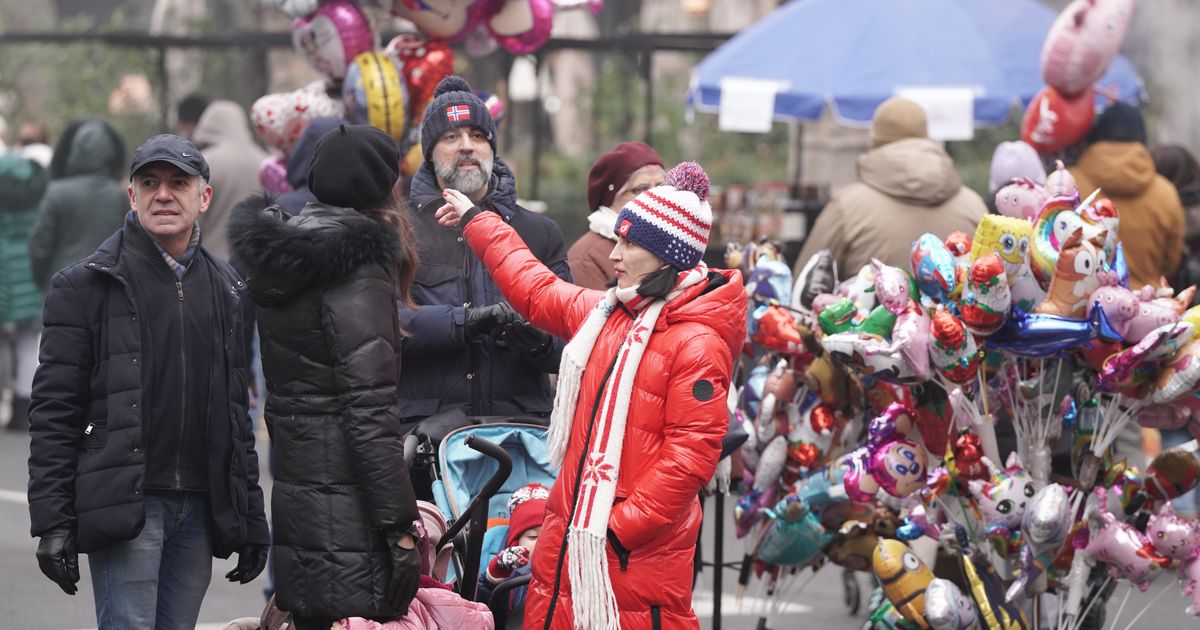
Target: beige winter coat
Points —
{"points": [[904, 189], [1152, 223]]}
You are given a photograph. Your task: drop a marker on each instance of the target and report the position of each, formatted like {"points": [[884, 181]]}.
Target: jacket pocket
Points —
{"points": [[95, 435], [432, 274], [619, 549]]}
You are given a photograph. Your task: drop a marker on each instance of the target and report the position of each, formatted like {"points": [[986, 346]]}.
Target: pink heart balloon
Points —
{"points": [[332, 37]]}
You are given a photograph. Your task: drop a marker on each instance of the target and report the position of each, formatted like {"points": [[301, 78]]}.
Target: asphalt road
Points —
{"points": [[29, 600]]}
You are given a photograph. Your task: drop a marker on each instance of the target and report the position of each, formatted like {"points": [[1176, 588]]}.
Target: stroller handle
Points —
{"points": [[490, 488]]}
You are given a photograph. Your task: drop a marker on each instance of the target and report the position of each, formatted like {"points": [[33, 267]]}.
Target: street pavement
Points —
{"points": [[29, 600]]}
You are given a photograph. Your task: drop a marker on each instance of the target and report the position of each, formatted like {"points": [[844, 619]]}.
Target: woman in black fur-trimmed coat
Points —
{"points": [[325, 283]]}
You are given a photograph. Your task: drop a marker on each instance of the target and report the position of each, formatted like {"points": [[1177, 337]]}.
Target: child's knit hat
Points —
{"points": [[526, 508]]}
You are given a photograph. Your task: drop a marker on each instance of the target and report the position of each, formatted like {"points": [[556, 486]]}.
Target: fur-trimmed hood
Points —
{"points": [[284, 256]]}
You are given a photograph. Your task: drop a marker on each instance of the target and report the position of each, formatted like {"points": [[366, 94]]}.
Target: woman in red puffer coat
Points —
{"points": [[640, 410]]}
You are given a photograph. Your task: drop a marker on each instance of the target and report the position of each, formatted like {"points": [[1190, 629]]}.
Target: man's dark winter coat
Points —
{"points": [[481, 378], [89, 412]]}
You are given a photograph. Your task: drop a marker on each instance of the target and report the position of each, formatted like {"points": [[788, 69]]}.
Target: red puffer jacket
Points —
{"points": [[677, 418]]}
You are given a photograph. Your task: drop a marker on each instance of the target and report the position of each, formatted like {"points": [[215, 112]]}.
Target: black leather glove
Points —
{"points": [[482, 320], [406, 572], [252, 559], [526, 338], [58, 559]]}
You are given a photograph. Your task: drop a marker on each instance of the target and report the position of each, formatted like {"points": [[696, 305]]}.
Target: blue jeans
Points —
{"points": [[157, 580]]}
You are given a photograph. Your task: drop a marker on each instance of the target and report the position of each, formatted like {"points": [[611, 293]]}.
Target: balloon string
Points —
{"points": [[1078, 621], [1120, 610], [983, 390], [1147, 606]]}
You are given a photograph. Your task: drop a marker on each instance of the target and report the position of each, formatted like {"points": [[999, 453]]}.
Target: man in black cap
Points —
{"points": [[142, 454], [476, 354]]}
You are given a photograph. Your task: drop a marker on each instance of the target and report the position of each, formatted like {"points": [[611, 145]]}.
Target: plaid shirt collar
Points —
{"points": [[177, 265]]}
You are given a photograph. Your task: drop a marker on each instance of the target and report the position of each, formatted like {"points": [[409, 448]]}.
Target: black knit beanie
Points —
{"points": [[454, 105], [1121, 122], [354, 166]]}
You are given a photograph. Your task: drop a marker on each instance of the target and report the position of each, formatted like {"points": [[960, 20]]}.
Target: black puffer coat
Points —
{"points": [[87, 461], [323, 283]]}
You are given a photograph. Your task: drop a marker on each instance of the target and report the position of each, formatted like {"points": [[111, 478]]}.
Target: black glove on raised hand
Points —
{"points": [[482, 320], [527, 338], [406, 572], [58, 559], [252, 559]]}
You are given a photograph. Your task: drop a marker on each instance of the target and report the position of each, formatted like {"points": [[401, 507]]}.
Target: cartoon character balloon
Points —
{"points": [[1156, 312], [1008, 238], [333, 36], [953, 353], [904, 578], [893, 287], [947, 608], [1120, 304], [1056, 222], [1083, 41], [1126, 550], [1075, 277], [795, 537], [1173, 536], [889, 460], [1003, 499], [986, 299], [1021, 198], [933, 267]]}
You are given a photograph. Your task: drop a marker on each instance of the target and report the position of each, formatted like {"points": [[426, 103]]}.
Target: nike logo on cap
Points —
{"points": [[186, 154]]}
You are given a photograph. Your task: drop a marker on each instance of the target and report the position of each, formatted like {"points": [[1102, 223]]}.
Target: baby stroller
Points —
{"points": [[475, 469]]}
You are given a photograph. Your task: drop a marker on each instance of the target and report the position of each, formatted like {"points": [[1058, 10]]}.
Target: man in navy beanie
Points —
{"points": [[476, 354]]}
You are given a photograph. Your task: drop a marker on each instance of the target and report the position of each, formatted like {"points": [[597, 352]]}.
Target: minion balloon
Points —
{"points": [[904, 578]]}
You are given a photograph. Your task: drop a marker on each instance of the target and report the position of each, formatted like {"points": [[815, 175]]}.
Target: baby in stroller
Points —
{"points": [[527, 509], [436, 606]]}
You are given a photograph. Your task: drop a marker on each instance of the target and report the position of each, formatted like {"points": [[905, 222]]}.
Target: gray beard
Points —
{"points": [[465, 182]]}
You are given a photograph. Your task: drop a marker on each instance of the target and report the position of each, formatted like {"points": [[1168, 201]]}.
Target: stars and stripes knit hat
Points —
{"points": [[453, 106], [672, 221]]}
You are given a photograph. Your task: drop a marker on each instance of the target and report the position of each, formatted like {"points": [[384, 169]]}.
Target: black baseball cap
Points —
{"points": [[172, 149]]}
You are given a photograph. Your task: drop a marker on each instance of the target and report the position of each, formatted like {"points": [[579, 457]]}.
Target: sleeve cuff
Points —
{"points": [[470, 214]]}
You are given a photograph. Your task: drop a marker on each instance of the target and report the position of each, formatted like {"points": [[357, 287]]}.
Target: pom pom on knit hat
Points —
{"points": [[452, 83], [689, 176], [672, 221], [454, 106]]}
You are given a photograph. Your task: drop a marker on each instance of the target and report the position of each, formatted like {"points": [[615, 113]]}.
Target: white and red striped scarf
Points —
{"points": [[593, 603]]}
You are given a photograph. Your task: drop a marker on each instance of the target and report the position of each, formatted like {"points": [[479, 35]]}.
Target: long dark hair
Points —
{"points": [[659, 283], [394, 214]]}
